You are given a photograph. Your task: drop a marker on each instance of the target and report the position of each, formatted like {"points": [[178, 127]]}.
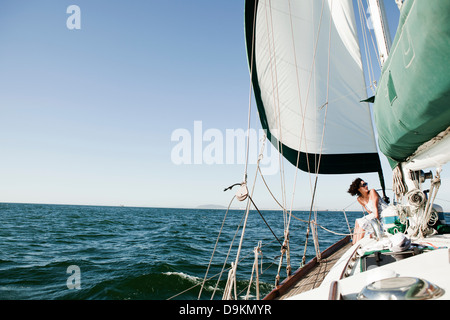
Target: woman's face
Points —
{"points": [[364, 187]]}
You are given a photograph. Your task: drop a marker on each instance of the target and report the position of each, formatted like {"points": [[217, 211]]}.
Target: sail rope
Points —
{"points": [[321, 146], [219, 275], [303, 112], [302, 220], [276, 101], [226, 258], [232, 274], [265, 221], [215, 247], [284, 245], [231, 282], [397, 184], [315, 240], [302, 108], [435, 184], [258, 252]]}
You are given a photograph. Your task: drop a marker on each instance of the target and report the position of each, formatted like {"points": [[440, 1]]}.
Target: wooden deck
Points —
{"points": [[312, 274]]}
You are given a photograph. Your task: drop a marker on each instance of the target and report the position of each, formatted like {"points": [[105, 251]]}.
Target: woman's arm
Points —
{"points": [[375, 197]]}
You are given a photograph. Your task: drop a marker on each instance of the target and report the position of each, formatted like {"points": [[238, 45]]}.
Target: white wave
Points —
{"points": [[184, 276]]}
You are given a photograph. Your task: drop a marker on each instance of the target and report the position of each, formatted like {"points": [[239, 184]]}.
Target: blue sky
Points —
{"points": [[87, 115]]}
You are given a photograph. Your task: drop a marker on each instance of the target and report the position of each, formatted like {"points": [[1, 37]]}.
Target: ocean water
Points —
{"points": [[125, 253]]}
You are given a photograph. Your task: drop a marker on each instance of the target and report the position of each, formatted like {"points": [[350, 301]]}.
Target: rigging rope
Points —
{"points": [[322, 139], [265, 221], [276, 101], [226, 259], [257, 252], [215, 247], [305, 221], [232, 275], [435, 184]]}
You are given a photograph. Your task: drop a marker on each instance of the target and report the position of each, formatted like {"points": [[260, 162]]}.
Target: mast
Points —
{"points": [[381, 28]]}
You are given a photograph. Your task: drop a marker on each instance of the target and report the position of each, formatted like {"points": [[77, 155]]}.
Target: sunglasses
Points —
{"points": [[364, 184]]}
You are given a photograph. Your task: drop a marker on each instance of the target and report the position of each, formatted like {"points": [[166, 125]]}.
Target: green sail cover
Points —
{"points": [[412, 100]]}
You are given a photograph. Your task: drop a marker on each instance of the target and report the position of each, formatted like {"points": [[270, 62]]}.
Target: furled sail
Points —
{"points": [[308, 82], [411, 103]]}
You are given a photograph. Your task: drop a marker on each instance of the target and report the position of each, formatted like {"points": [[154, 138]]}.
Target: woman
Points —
{"points": [[371, 202]]}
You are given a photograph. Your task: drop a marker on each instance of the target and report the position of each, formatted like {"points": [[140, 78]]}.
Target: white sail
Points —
{"points": [[307, 73]]}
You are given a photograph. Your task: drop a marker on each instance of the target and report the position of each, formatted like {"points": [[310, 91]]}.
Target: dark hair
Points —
{"points": [[356, 184]]}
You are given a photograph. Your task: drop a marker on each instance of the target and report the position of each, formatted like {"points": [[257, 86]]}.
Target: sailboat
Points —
{"points": [[308, 80]]}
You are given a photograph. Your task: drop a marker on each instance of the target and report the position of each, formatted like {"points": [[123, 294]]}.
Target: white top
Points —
{"points": [[381, 206]]}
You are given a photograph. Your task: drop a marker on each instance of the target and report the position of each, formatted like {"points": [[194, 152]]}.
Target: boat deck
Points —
{"points": [[312, 274], [315, 276]]}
